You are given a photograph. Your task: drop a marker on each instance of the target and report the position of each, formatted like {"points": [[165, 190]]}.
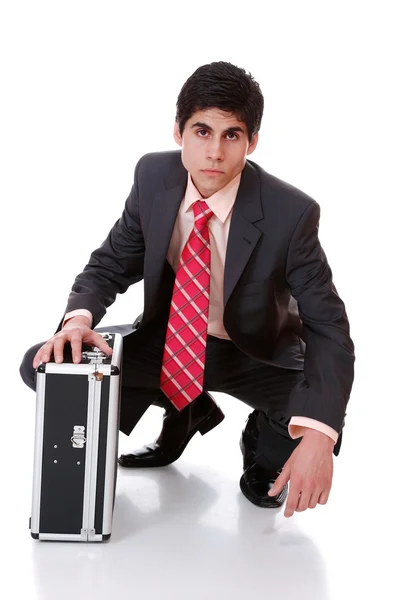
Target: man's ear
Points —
{"points": [[177, 135], [253, 144]]}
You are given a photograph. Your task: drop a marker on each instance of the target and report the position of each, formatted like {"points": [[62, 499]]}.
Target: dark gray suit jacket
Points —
{"points": [[280, 305]]}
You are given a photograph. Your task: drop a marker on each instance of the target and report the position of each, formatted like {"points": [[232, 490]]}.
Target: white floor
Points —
{"points": [[186, 531]]}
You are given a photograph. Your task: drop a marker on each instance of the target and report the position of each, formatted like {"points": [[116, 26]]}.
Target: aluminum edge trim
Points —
{"points": [[38, 452]]}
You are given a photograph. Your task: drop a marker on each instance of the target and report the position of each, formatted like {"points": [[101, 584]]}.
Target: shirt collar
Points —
{"points": [[221, 202]]}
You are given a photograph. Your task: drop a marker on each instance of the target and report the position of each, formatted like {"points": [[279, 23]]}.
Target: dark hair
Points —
{"points": [[224, 86]]}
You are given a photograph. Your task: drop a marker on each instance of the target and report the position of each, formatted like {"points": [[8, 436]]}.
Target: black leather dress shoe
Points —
{"points": [[178, 429], [255, 484], [256, 481]]}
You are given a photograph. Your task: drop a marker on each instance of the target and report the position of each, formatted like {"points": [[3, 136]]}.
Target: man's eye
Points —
{"points": [[233, 135]]}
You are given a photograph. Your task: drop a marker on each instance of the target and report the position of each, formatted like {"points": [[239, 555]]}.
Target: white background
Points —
{"points": [[86, 89]]}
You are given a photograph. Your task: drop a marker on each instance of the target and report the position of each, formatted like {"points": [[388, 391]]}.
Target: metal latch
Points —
{"points": [[78, 438], [95, 357]]}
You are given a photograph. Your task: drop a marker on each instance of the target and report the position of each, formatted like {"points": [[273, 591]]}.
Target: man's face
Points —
{"points": [[214, 139]]}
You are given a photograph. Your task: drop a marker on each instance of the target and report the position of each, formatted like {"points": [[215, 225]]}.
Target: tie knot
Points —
{"points": [[202, 213]]}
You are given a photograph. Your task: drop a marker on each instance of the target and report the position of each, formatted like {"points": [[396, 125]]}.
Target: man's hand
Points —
{"points": [[310, 471], [77, 332]]}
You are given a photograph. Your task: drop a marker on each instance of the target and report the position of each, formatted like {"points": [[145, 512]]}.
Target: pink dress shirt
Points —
{"points": [[221, 203]]}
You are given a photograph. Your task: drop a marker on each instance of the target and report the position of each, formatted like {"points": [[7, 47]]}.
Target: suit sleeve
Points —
{"points": [[329, 354], [115, 265]]}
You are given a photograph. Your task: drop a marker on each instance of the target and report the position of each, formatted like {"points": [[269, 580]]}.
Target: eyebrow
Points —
{"points": [[205, 126]]}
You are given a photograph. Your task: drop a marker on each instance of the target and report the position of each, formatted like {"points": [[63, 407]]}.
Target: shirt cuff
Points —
{"points": [[79, 313], [297, 425]]}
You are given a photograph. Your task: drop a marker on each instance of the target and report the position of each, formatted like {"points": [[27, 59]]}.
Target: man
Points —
{"points": [[238, 298]]}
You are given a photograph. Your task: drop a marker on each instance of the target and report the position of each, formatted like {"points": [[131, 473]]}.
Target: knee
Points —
{"points": [[26, 370]]}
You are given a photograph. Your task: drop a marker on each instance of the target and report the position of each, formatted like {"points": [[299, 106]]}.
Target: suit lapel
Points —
{"points": [[163, 216], [243, 235]]}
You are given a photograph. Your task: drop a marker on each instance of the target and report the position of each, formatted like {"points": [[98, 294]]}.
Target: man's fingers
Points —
{"points": [[292, 501], [37, 359], [75, 335], [43, 354], [323, 499], [58, 349], [280, 482], [314, 499], [98, 341], [304, 500], [76, 346], [299, 499]]}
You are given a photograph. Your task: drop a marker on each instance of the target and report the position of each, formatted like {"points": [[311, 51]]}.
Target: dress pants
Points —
{"points": [[263, 387]]}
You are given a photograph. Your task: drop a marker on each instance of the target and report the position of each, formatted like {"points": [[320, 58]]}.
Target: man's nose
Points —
{"points": [[215, 149]]}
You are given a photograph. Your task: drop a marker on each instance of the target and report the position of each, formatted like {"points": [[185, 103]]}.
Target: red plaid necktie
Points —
{"points": [[182, 372]]}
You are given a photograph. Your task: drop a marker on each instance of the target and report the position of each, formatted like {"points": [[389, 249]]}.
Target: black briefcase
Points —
{"points": [[76, 446]]}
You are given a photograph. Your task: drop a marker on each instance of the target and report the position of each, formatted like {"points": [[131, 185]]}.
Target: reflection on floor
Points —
{"points": [[186, 531]]}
